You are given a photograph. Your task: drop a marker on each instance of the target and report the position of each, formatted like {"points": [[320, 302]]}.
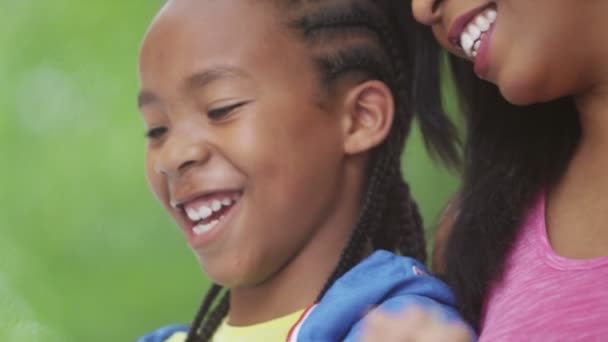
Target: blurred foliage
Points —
{"points": [[86, 254]]}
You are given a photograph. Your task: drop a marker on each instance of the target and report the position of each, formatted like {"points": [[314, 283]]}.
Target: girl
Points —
{"points": [[275, 143], [528, 254]]}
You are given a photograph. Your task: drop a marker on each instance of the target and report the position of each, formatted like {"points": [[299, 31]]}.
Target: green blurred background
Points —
{"points": [[82, 241]]}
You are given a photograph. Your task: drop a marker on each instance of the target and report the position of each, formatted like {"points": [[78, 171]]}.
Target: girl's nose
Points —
{"points": [[427, 12], [180, 153]]}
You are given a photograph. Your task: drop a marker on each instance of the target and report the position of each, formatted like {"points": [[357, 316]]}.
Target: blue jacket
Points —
{"points": [[384, 280]]}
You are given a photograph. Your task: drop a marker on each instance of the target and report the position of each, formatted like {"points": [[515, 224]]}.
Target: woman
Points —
{"points": [[528, 253]]}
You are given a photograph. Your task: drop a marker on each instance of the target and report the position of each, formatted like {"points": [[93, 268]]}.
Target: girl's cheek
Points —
{"points": [[155, 180]]}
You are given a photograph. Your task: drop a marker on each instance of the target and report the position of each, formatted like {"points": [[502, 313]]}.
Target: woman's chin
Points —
{"points": [[518, 97], [523, 87]]}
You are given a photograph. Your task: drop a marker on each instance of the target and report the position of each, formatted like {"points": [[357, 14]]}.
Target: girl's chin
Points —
{"points": [[222, 275]]}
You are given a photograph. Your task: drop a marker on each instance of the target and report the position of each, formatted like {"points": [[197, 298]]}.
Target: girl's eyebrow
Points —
{"points": [[204, 78], [197, 80]]}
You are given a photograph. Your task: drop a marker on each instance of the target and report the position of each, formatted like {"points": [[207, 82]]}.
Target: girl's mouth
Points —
{"points": [[207, 212]]}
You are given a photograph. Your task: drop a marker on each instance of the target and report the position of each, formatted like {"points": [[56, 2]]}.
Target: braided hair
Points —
{"points": [[378, 39]]}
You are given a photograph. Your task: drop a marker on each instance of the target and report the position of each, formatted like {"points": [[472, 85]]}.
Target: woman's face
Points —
{"points": [[533, 50]]}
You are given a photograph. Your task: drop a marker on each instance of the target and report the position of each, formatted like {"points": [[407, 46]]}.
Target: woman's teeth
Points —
{"points": [[470, 39]]}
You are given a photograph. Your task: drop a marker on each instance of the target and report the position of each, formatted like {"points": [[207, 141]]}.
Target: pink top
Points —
{"points": [[545, 297]]}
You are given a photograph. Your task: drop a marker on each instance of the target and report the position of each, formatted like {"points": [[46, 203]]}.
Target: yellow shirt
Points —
{"points": [[275, 330]]}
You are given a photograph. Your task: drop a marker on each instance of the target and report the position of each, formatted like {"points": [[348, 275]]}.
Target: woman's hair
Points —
{"points": [[379, 40], [511, 154]]}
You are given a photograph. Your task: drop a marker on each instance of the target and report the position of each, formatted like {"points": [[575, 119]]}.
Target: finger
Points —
{"points": [[460, 333], [440, 331], [385, 327], [415, 317]]}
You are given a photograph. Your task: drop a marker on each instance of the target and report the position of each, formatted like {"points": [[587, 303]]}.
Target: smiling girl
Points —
{"points": [[275, 134]]}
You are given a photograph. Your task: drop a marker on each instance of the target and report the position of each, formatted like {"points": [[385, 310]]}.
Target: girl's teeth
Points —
{"points": [[192, 214], [203, 228], [200, 228], [205, 212]]}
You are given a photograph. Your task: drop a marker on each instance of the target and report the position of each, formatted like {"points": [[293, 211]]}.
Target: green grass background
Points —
{"points": [[82, 242]]}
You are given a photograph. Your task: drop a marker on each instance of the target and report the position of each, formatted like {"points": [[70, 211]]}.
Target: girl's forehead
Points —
{"points": [[191, 32], [216, 15], [197, 22], [190, 37]]}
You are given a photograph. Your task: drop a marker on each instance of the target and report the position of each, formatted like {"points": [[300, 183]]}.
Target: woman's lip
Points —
{"points": [[458, 25], [202, 240], [482, 60]]}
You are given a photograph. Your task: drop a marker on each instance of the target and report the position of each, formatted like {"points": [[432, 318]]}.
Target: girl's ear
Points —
{"points": [[369, 110]]}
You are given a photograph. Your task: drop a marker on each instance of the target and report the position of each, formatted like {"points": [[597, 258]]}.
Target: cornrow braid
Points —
{"points": [[370, 212], [203, 332], [374, 38], [210, 297], [215, 318], [409, 240]]}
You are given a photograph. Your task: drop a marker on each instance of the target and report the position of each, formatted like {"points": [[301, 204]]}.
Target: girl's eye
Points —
{"points": [[222, 112], [156, 133]]}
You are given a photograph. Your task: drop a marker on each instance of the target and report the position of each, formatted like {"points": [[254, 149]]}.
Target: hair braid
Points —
{"points": [[404, 223], [410, 240], [215, 318], [370, 215], [202, 311]]}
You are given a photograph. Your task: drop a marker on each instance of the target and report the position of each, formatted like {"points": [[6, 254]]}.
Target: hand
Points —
{"points": [[414, 325]]}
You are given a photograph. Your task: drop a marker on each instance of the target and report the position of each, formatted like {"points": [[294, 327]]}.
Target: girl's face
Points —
{"points": [[240, 152], [533, 50]]}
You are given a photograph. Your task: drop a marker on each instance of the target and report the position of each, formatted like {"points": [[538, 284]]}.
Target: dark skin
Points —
{"points": [[240, 109]]}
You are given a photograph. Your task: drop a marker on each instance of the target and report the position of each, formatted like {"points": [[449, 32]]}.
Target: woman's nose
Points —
{"points": [[427, 12]]}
